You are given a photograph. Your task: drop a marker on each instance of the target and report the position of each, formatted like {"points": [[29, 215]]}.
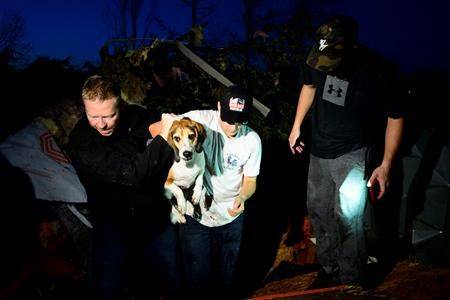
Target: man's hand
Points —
{"points": [[293, 144], [166, 123], [238, 207], [247, 190], [155, 128], [380, 176]]}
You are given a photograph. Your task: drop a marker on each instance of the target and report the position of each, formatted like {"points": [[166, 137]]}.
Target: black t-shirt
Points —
{"points": [[349, 111]]}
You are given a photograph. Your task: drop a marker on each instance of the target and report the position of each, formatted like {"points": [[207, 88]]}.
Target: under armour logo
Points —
{"points": [[337, 92], [323, 44]]}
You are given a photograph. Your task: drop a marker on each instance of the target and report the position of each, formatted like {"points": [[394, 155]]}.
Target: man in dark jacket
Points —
{"points": [[123, 171]]}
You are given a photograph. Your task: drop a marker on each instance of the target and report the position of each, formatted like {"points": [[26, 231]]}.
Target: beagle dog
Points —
{"points": [[185, 178]]}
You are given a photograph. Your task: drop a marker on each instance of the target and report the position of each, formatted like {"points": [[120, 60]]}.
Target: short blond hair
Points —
{"points": [[99, 88]]}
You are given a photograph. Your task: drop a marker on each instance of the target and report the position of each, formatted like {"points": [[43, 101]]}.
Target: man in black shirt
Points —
{"points": [[123, 169], [348, 90]]}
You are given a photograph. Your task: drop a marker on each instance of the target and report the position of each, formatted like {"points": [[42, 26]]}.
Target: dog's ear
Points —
{"points": [[201, 136], [176, 153], [170, 141]]}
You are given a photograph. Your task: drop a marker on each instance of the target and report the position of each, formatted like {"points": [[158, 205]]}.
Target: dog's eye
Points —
{"points": [[176, 138], [191, 136]]}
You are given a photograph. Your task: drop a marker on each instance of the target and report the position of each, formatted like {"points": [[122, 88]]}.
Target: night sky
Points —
{"points": [[413, 33]]}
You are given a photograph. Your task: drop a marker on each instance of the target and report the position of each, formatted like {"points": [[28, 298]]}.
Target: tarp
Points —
{"points": [[430, 222], [34, 150]]}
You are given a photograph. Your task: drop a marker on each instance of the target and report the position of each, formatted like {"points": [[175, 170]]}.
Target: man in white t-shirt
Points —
{"points": [[210, 243]]}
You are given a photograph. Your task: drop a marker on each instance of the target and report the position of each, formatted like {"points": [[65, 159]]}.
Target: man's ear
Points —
{"points": [[176, 153]]}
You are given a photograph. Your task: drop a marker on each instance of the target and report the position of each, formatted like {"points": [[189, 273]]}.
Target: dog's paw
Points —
{"points": [[181, 205], [197, 195], [176, 217]]}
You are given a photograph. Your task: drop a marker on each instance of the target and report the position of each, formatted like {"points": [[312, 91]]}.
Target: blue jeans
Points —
{"points": [[127, 263], [209, 257]]}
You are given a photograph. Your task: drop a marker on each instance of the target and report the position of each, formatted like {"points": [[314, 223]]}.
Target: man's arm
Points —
{"points": [[156, 128], [305, 101], [110, 164], [247, 190], [394, 133]]}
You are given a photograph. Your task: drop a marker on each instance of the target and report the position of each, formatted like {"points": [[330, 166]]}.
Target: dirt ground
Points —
{"points": [[410, 278], [417, 276]]}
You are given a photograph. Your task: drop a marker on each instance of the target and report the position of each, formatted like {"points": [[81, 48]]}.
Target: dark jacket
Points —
{"points": [[123, 176]]}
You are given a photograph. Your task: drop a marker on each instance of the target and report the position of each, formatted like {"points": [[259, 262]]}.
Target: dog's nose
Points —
{"points": [[187, 154]]}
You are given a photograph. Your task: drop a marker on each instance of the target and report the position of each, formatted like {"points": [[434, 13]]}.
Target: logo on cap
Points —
{"points": [[237, 104], [323, 44]]}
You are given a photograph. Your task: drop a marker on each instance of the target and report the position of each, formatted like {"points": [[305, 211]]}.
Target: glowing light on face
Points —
{"points": [[353, 193]]}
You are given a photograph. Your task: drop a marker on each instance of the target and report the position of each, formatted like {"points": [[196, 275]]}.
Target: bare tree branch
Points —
{"points": [[12, 35], [199, 10], [132, 19]]}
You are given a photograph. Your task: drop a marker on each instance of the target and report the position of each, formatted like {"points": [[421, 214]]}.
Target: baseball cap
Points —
{"points": [[235, 105], [333, 40]]}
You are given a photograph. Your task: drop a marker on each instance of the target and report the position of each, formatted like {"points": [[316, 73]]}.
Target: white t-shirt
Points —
{"points": [[227, 161]]}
